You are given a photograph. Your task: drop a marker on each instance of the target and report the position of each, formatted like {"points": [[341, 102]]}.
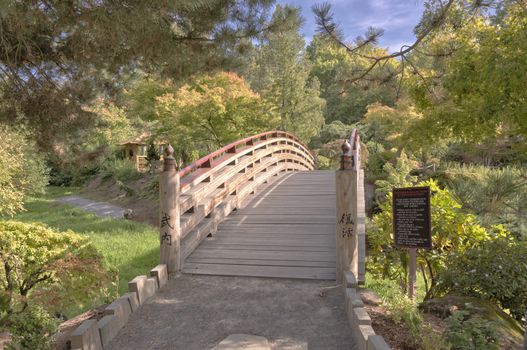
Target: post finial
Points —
{"points": [[169, 151], [345, 158], [346, 147], [169, 161]]}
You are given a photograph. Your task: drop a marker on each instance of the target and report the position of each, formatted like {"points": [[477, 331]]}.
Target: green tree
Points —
{"points": [[112, 126], [348, 102], [32, 329], [152, 153], [493, 271], [475, 89], [280, 72], [494, 195], [40, 266], [56, 56], [22, 170], [210, 111], [453, 231]]}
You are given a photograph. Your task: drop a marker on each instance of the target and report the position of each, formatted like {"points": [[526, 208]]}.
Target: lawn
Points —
{"points": [[131, 247], [388, 290]]}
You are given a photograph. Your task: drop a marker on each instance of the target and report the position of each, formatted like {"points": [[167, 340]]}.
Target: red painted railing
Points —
{"points": [[206, 162]]}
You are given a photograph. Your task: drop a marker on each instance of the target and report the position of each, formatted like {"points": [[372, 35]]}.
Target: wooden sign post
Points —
{"points": [[412, 225], [169, 225], [346, 238]]}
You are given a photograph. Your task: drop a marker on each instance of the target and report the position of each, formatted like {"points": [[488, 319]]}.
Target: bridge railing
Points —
{"points": [[350, 224], [195, 199]]}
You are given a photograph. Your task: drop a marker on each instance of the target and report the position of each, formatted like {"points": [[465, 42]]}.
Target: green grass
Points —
{"points": [[131, 247], [388, 290]]}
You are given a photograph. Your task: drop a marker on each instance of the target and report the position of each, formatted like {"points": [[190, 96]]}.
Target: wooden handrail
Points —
{"points": [[232, 146], [218, 183]]}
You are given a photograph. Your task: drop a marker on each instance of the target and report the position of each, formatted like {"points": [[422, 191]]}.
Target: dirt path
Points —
{"points": [[100, 208], [197, 312]]}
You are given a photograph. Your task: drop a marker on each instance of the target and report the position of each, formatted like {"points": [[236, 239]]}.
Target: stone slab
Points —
{"points": [[353, 299], [363, 334], [86, 336], [121, 309], [361, 317], [137, 286], [243, 342], [376, 342], [370, 297], [132, 299], [109, 326], [151, 287], [351, 281], [160, 272], [144, 287]]}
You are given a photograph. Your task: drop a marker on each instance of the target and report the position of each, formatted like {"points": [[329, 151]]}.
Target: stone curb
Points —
{"points": [[359, 320], [95, 335], [161, 275]]}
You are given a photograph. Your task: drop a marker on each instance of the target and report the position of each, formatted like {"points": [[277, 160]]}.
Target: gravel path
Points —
{"points": [[100, 208], [197, 312]]}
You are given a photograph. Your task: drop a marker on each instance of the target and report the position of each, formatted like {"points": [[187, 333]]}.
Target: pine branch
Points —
{"points": [[328, 27]]}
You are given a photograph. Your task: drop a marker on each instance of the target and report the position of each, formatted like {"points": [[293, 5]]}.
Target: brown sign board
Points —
{"points": [[411, 217]]}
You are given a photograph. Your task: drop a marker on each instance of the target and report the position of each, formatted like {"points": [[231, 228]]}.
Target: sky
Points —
{"points": [[397, 17]]}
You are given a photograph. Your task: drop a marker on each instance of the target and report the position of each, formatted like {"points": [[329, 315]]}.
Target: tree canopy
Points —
{"points": [[280, 72], [56, 56]]}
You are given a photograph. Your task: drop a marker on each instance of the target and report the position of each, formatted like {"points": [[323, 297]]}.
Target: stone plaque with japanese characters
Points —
{"points": [[411, 217]]}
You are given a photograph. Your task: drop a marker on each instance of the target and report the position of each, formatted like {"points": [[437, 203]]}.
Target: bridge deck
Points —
{"points": [[286, 231]]}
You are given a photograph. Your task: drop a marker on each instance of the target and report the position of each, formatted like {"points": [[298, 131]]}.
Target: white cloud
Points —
{"points": [[396, 17]]}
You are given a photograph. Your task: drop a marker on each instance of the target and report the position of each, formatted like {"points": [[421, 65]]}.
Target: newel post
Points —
{"points": [[346, 238], [169, 225]]}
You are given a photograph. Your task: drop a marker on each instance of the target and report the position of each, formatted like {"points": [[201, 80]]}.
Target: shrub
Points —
{"points": [[60, 177], [120, 170], [32, 330], [495, 271], [467, 333], [83, 172], [151, 153], [153, 186], [402, 309], [40, 266], [495, 195], [323, 162], [453, 231]]}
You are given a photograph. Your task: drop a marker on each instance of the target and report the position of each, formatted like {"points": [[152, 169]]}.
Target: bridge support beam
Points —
{"points": [[169, 215]]}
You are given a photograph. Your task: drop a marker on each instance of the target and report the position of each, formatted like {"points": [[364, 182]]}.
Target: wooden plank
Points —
{"points": [[285, 210], [267, 248], [281, 204], [322, 273], [287, 230], [275, 241], [272, 235], [267, 255], [277, 220], [319, 228], [260, 262]]}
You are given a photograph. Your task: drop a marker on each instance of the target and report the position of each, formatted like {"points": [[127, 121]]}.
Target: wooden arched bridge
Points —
{"points": [[257, 207]]}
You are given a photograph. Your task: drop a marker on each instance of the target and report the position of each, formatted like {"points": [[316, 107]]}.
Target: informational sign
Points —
{"points": [[411, 217]]}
